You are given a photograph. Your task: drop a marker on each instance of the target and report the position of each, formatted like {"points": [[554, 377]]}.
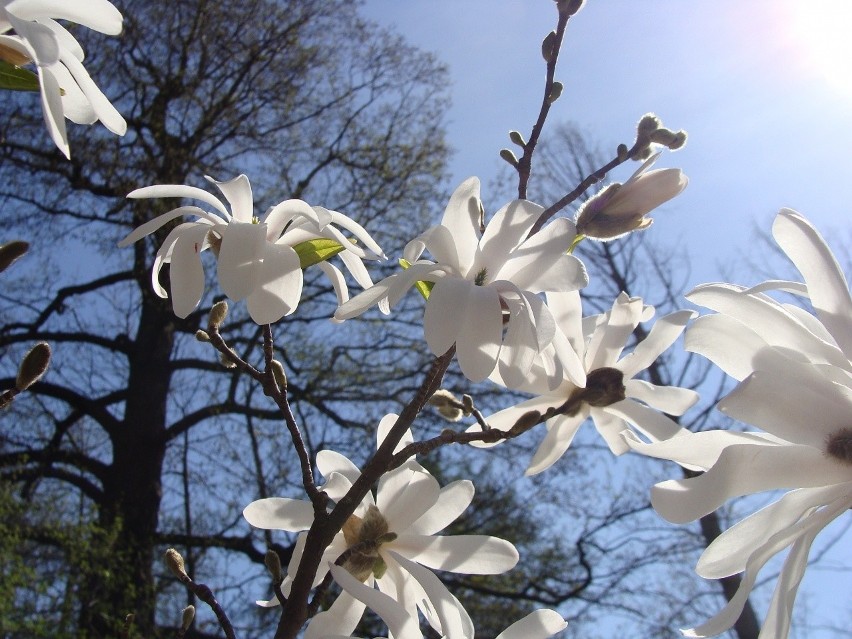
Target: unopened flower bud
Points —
{"points": [[273, 565], [186, 617], [279, 374], [11, 252], [467, 404], [509, 156], [33, 366], [548, 46], [447, 404], [622, 152], [227, 361], [622, 208], [647, 125], [202, 336], [174, 562], [517, 138], [569, 7], [555, 92], [217, 315], [679, 141]]}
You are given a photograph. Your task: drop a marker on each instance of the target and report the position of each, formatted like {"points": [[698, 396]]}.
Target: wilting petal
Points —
{"points": [[280, 513], [540, 624], [467, 554]]}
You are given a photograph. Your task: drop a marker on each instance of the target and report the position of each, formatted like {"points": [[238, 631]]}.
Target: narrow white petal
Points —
{"points": [[725, 341], [461, 217], [280, 513], [559, 436], [99, 15], [648, 421], [444, 313], [505, 232], [467, 554], [609, 340], [54, 116], [402, 505], [107, 113], [329, 461], [400, 624], [662, 335], [186, 273], [340, 619], [152, 225], [237, 192], [183, 191], [672, 400], [480, 333], [827, 286], [359, 232]]}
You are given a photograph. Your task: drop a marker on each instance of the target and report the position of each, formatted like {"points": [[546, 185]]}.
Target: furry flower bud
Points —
{"points": [[11, 252], [33, 366]]}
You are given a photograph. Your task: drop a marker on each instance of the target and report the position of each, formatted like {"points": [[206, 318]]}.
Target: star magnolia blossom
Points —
{"points": [[796, 384], [396, 544], [621, 208], [480, 283], [612, 397], [67, 90], [256, 261]]}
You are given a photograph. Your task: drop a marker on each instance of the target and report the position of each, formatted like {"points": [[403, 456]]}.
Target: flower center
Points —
{"points": [[363, 538], [839, 445], [479, 280], [604, 386]]}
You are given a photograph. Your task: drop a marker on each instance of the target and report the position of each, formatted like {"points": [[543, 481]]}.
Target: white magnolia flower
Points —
{"points": [[67, 90], [483, 282], [621, 208], [796, 385], [612, 397], [395, 542], [256, 261]]}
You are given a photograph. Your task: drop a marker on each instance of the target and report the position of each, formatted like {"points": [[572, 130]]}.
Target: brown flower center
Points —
{"points": [[363, 537], [604, 386], [839, 445]]}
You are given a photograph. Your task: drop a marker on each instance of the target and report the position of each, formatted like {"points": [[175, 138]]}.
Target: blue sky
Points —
{"points": [[764, 88]]}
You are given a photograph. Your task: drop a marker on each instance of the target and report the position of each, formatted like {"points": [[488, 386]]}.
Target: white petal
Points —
{"points": [[669, 399], [742, 470], [240, 254], [360, 233], [541, 263], [54, 116], [238, 193], [152, 225], [329, 461], [280, 513], [468, 554], [461, 217], [400, 624], [540, 624], [650, 422], [403, 503], [802, 408], [186, 273], [725, 341], [99, 15], [662, 335], [609, 340], [106, 112], [827, 286], [505, 232], [340, 619], [180, 190], [452, 501], [559, 437], [278, 284], [479, 334]]}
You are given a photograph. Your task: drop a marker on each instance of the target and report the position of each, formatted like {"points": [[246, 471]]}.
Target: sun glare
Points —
{"points": [[821, 32]]}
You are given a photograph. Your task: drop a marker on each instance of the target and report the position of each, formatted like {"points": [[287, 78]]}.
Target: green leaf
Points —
{"points": [[17, 79], [315, 251], [424, 288]]}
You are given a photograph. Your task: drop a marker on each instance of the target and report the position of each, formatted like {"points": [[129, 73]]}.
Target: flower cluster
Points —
{"points": [[29, 33]]}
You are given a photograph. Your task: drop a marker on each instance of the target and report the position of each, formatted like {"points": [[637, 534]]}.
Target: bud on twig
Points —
{"points": [[548, 45], [273, 565], [509, 156], [217, 315], [186, 617], [555, 92], [11, 252], [517, 138], [202, 336], [279, 374], [175, 564], [569, 7], [227, 361], [33, 366]]}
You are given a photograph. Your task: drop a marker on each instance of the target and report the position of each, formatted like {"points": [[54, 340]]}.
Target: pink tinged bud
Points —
{"points": [[621, 208]]}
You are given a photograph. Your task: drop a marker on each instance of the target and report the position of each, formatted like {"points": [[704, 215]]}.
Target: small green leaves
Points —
{"points": [[15, 78], [315, 251], [424, 288]]}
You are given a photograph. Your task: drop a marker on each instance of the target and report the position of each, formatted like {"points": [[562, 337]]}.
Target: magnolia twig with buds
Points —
{"points": [[175, 564]]}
